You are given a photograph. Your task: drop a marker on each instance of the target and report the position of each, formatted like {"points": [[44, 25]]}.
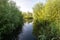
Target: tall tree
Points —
{"points": [[11, 20], [52, 8], [38, 16], [47, 20]]}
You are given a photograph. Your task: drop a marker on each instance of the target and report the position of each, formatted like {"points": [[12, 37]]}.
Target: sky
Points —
{"points": [[27, 5]]}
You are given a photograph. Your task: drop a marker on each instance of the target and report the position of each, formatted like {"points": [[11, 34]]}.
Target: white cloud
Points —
{"points": [[26, 5]]}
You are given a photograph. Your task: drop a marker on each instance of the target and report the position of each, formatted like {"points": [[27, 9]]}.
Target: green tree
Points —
{"points": [[52, 9], [11, 20], [38, 18], [47, 20]]}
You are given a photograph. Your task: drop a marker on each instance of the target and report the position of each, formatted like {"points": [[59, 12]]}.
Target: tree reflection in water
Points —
{"points": [[26, 33]]}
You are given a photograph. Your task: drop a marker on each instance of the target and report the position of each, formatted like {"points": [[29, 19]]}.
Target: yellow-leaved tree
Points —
{"points": [[47, 20]]}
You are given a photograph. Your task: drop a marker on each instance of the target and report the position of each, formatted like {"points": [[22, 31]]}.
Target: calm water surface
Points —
{"points": [[26, 33]]}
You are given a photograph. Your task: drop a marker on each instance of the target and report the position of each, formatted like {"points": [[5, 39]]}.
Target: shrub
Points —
{"points": [[47, 20], [11, 20]]}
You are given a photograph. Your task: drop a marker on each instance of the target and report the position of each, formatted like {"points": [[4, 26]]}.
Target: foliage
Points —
{"points": [[11, 20], [27, 16], [47, 20]]}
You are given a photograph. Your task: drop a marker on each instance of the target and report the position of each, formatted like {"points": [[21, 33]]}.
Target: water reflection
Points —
{"points": [[26, 33]]}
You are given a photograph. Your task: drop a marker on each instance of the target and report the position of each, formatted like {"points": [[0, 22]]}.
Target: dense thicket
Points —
{"points": [[11, 20], [47, 20]]}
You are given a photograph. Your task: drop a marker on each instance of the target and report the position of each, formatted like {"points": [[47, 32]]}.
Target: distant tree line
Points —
{"points": [[27, 16]]}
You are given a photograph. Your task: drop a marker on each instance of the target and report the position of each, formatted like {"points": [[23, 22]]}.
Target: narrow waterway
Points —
{"points": [[26, 33]]}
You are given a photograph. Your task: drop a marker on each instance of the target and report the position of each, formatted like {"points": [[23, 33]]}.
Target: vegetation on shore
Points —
{"points": [[11, 20], [47, 20], [45, 17], [28, 17]]}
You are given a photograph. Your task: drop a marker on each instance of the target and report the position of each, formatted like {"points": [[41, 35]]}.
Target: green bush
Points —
{"points": [[47, 20], [11, 20]]}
